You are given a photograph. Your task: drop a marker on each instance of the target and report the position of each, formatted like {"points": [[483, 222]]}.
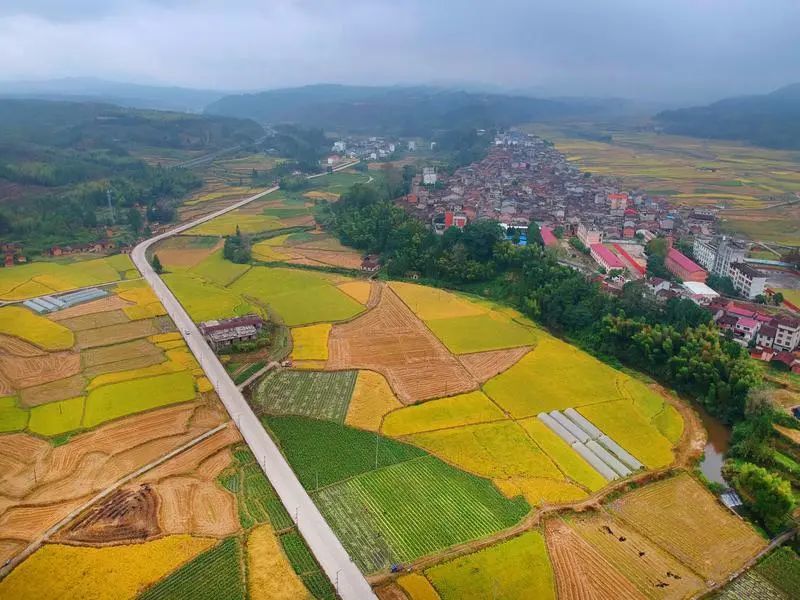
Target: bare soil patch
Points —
{"points": [[95, 320], [27, 371], [391, 340], [95, 306], [53, 391], [485, 365], [390, 592], [114, 334], [127, 515], [581, 572]]}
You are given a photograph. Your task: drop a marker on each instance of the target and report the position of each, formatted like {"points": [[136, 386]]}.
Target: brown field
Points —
{"points": [[346, 260], [682, 517], [643, 563], [145, 360], [179, 252], [115, 334], [485, 365], [581, 573], [120, 352], [9, 549], [18, 347], [41, 484], [95, 320], [95, 306], [317, 195], [127, 515], [390, 592], [54, 391], [391, 340], [24, 372]]}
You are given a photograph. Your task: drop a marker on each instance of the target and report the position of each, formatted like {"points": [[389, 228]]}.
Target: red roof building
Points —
{"points": [[605, 258], [548, 238], [635, 268], [684, 267]]}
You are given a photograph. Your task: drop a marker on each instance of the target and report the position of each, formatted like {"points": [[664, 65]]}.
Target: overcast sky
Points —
{"points": [[655, 49]]}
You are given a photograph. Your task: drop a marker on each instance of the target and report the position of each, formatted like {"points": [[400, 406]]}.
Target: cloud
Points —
{"points": [[639, 48]]}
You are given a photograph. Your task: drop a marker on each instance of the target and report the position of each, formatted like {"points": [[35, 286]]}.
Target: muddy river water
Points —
{"points": [[719, 438]]}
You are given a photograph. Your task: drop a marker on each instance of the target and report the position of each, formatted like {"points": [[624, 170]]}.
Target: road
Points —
{"points": [[326, 547]]}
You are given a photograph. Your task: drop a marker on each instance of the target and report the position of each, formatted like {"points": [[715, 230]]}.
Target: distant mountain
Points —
{"points": [[123, 94], [397, 110], [84, 125], [771, 120]]}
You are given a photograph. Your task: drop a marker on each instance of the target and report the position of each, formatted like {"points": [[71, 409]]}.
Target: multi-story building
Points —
{"points": [[589, 236], [428, 175], [605, 258], [746, 280], [717, 255], [787, 333], [684, 267]]}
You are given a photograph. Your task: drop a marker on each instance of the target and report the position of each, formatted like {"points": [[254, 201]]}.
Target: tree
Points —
{"points": [[722, 284], [134, 220], [237, 248], [769, 496], [777, 298], [156, 264]]}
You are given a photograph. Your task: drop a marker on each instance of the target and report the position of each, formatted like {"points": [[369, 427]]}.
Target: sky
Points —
{"points": [[682, 50]]}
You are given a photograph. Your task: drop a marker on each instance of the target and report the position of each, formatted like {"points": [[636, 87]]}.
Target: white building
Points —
{"points": [[429, 175], [699, 292], [716, 256], [412, 146], [339, 146], [747, 281]]}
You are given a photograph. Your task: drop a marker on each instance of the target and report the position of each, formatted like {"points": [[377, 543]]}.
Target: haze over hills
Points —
{"points": [[771, 120], [132, 95]]}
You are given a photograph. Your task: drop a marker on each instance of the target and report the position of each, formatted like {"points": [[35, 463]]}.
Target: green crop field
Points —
{"points": [[299, 555], [323, 452], [12, 417], [214, 575], [137, 395], [490, 331], [782, 569], [57, 417], [216, 269], [318, 394], [299, 297], [518, 568], [204, 300], [412, 509]]}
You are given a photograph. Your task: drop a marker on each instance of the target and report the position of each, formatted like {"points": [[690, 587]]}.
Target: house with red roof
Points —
{"points": [[605, 258], [548, 238]]}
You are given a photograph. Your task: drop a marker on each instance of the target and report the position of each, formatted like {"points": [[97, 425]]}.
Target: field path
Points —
{"points": [[327, 548]]}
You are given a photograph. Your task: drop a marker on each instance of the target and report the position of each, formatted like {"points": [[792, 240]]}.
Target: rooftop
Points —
{"points": [[607, 256], [683, 261]]}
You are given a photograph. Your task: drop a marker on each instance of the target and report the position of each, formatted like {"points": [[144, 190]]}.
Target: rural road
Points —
{"points": [[326, 547]]}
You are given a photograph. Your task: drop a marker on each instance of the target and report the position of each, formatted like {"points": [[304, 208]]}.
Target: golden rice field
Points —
{"points": [[269, 574], [42, 332], [115, 572], [372, 399], [311, 342]]}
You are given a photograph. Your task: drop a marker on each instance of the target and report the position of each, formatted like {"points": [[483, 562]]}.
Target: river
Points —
{"points": [[719, 439]]}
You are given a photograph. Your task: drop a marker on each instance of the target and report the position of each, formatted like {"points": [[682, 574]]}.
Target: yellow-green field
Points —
{"points": [[745, 180], [517, 568], [444, 413], [46, 277], [311, 342], [24, 324]]}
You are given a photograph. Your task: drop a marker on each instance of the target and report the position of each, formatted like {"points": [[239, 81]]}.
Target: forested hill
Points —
{"points": [[77, 124], [59, 161], [771, 120], [408, 111]]}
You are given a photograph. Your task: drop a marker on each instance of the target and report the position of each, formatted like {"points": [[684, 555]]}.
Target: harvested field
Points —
{"points": [[29, 371], [25, 522], [389, 339], [127, 515], [517, 568], [372, 399], [648, 567], [60, 389], [18, 347], [115, 334], [682, 517], [540, 491], [120, 370], [581, 572], [119, 353], [106, 304], [345, 259], [95, 320], [485, 365], [58, 571], [186, 252]]}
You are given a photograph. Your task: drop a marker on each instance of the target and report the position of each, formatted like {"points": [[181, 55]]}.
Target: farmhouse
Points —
{"points": [[370, 264], [221, 333]]}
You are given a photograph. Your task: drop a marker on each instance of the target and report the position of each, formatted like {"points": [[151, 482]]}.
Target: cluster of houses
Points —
{"points": [[371, 148], [13, 253]]}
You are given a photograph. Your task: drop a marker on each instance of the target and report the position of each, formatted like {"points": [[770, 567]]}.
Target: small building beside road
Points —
{"points": [[224, 332]]}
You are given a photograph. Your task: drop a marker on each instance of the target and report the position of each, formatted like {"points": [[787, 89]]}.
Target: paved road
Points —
{"points": [[323, 542]]}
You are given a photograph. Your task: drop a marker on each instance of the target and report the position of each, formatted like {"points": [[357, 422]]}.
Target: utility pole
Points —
{"points": [[110, 206]]}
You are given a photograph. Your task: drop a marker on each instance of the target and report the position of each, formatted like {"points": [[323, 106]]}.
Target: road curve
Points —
{"points": [[326, 547]]}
